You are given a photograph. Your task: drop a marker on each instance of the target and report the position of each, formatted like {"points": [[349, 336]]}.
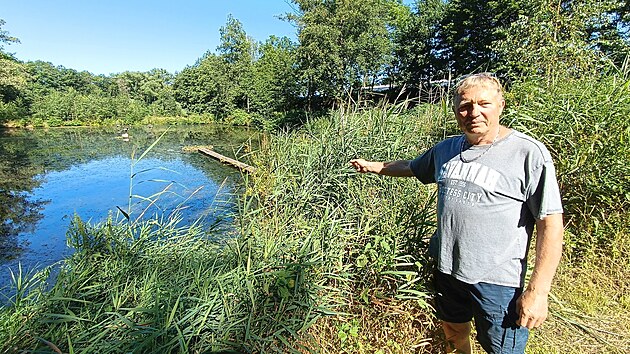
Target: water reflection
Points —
{"points": [[46, 176], [18, 212]]}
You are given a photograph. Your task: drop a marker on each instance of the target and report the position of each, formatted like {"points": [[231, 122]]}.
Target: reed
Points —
{"points": [[312, 236], [322, 259]]}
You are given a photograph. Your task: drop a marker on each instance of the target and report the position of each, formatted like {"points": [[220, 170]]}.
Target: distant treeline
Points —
{"points": [[343, 49]]}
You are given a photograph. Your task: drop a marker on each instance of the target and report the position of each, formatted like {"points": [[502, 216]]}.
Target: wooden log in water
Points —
{"points": [[240, 165]]}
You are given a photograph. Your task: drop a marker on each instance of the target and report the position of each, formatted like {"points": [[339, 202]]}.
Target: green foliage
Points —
{"points": [[202, 88], [5, 38], [609, 29], [13, 78], [64, 108], [237, 52], [239, 117], [223, 85], [244, 84], [348, 330], [553, 41], [235, 47], [344, 45], [152, 292], [147, 87], [274, 84], [369, 222], [11, 111], [414, 40], [58, 96], [178, 120], [469, 32], [44, 78]]}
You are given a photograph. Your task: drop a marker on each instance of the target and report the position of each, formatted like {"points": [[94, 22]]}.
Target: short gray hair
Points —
{"points": [[487, 80]]}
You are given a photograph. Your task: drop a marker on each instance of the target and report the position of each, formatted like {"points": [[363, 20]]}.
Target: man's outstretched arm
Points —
{"points": [[532, 306], [398, 168]]}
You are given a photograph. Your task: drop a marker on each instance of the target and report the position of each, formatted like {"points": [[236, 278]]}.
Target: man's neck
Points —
{"points": [[488, 138]]}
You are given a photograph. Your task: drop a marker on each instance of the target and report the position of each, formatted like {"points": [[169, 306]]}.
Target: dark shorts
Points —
{"points": [[493, 308]]}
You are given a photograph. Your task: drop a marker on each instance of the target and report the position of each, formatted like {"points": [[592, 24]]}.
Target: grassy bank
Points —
{"points": [[326, 260], [238, 117], [314, 241], [148, 120]]}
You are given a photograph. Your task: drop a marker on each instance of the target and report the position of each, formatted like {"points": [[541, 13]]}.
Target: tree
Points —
{"points": [[415, 40], [237, 51], [203, 88], [5, 38], [12, 73], [344, 44], [275, 88], [609, 29], [44, 77], [158, 92], [130, 85], [557, 40], [470, 30], [13, 79]]}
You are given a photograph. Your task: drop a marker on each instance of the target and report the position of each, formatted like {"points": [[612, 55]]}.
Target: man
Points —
{"points": [[494, 184]]}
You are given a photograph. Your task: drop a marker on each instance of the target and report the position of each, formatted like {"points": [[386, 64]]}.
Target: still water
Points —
{"points": [[48, 176]]}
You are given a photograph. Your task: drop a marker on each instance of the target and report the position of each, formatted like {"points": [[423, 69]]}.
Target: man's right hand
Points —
{"points": [[361, 165], [398, 168]]}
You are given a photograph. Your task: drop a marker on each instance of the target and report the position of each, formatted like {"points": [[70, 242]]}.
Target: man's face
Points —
{"points": [[477, 111]]}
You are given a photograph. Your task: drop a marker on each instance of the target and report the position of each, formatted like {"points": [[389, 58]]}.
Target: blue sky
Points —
{"points": [[111, 36]]}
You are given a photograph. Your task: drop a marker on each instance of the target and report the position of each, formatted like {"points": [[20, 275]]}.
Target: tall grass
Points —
{"points": [[356, 238], [314, 238], [323, 259]]}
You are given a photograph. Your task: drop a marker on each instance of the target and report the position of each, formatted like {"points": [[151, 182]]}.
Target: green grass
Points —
{"points": [[148, 289], [110, 122], [179, 120]]}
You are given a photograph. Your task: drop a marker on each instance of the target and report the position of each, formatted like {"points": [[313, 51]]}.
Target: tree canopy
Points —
{"points": [[343, 47]]}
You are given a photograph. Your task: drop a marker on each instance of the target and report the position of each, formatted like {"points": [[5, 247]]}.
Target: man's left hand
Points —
{"points": [[532, 309]]}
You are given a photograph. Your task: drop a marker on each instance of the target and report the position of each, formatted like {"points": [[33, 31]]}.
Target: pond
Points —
{"points": [[47, 176]]}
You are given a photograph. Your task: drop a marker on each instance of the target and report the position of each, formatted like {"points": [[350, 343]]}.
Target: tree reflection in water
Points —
{"points": [[17, 178]]}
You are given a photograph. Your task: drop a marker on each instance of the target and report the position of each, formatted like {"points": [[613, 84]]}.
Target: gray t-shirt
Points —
{"points": [[487, 207]]}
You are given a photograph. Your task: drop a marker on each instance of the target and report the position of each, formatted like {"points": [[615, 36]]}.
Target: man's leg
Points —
{"points": [[454, 307], [457, 337], [495, 319]]}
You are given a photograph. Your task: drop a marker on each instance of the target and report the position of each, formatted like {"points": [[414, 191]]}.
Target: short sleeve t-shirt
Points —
{"points": [[488, 200]]}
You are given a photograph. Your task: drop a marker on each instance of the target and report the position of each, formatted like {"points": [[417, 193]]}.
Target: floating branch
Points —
{"points": [[240, 165]]}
